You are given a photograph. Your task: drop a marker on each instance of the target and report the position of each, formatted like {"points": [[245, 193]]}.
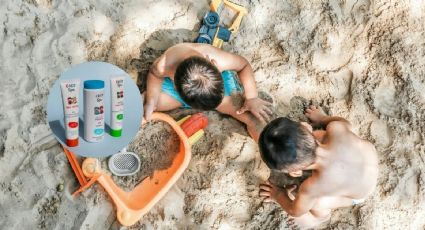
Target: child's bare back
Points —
{"points": [[345, 171]]}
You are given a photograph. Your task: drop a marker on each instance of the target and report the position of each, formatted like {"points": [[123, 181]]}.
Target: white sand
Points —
{"points": [[358, 59]]}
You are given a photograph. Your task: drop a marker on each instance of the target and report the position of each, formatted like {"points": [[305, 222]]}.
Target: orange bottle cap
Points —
{"points": [[72, 143]]}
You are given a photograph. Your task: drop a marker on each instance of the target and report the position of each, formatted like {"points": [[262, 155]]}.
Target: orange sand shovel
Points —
{"points": [[131, 206]]}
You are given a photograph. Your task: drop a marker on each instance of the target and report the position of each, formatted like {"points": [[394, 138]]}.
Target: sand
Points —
{"points": [[362, 60], [156, 144]]}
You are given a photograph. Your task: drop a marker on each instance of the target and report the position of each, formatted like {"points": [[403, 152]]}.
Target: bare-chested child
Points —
{"points": [[345, 167], [201, 76]]}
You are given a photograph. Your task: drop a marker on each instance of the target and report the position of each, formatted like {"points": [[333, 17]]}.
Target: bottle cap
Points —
{"points": [[94, 84], [116, 132], [72, 143]]}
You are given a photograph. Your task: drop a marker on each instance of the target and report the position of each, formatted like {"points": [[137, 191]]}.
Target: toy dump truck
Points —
{"points": [[211, 32]]}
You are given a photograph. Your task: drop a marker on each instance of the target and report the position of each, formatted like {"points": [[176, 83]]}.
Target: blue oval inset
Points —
{"points": [[98, 131]]}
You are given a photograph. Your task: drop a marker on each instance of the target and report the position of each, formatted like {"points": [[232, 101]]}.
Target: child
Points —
{"points": [[345, 167], [200, 76]]}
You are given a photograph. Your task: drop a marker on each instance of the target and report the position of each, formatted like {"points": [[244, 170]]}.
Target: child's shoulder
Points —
{"points": [[338, 127], [185, 45]]}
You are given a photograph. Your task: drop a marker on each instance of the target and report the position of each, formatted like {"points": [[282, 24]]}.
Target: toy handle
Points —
{"points": [[236, 23], [75, 166], [87, 185], [195, 123]]}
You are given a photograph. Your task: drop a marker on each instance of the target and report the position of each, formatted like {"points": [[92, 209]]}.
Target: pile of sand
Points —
{"points": [[156, 144], [362, 60]]}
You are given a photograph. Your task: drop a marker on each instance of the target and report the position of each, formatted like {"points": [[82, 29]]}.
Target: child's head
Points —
{"points": [[287, 146], [199, 83]]}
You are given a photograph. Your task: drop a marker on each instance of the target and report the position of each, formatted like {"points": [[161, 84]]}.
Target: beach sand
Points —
{"points": [[362, 60]]}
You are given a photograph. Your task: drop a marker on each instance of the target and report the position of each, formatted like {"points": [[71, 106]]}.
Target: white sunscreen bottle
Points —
{"points": [[117, 104], [94, 119], [70, 96]]}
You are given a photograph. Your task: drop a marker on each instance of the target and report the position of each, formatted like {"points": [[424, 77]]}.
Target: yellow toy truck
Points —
{"points": [[211, 32]]}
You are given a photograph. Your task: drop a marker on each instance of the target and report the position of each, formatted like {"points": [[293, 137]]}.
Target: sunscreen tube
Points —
{"points": [[70, 95], [117, 103], [94, 120]]}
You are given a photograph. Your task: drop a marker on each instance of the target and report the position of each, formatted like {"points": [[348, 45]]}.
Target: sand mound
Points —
{"points": [[362, 60], [156, 144]]}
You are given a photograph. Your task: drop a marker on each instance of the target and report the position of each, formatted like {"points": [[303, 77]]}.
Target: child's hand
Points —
{"points": [[315, 115], [290, 189], [269, 192], [149, 107], [258, 107]]}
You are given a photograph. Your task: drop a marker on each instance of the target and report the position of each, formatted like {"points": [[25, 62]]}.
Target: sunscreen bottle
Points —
{"points": [[117, 104], [94, 119], [70, 90]]}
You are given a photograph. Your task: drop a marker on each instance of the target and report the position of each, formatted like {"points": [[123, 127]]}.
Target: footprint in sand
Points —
{"points": [[381, 133], [385, 99], [341, 83]]}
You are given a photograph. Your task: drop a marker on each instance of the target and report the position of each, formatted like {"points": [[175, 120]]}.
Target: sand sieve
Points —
{"points": [[124, 163]]}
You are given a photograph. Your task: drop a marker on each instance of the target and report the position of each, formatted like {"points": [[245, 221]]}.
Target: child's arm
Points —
{"points": [[228, 61], [154, 83], [227, 107], [301, 204]]}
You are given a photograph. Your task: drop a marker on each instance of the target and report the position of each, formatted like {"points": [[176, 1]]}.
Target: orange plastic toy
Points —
{"points": [[131, 206], [194, 123]]}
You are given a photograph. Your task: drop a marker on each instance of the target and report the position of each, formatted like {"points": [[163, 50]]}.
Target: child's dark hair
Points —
{"points": [[287, 145], [199, 83]]}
